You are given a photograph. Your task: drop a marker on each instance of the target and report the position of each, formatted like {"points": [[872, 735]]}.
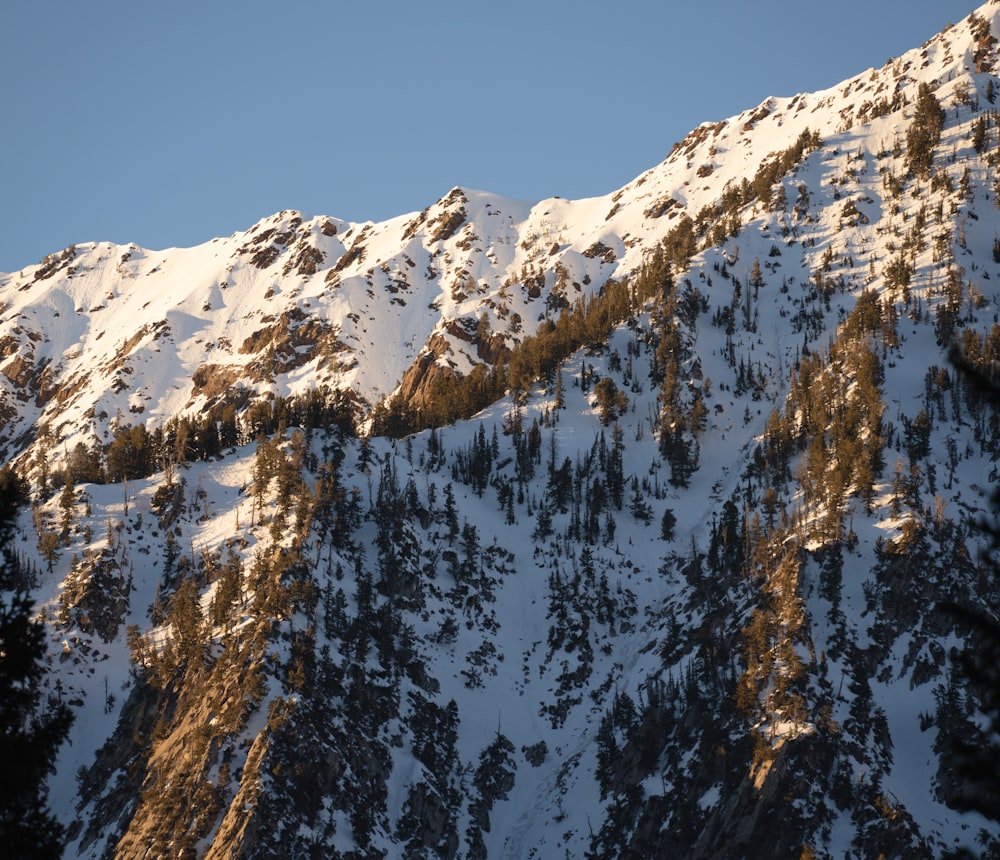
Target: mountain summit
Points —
{"points": [[617, 527]]}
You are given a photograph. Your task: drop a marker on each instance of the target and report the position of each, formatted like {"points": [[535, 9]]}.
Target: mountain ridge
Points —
{"points": [[689, 570], [474, 269]]}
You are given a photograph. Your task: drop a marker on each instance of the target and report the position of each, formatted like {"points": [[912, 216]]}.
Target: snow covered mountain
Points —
{"points": [[674, 591]]}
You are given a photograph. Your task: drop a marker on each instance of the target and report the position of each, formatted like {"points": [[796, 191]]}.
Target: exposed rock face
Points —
{"points": [[426, 371]]}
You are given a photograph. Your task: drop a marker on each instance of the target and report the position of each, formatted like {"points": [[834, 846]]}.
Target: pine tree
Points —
{"points": [[667, 525], [638, 506], [610, 400], [980, 135], [30, 732], [450, 513], [924, 132], [978, 760]]}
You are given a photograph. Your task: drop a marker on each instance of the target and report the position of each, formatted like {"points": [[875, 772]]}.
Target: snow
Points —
{"points": [[212, 299]]}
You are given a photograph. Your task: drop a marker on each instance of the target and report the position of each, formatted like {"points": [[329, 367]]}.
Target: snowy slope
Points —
{"points": [[535, 668], [100, 330]]}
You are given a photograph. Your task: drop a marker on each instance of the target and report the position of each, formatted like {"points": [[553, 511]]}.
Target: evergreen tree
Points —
{"points": [[667, 525], [980, 135], [610, 400], [450, 513], [638, 506], [924, 132], [977, 760], [30, 732]]}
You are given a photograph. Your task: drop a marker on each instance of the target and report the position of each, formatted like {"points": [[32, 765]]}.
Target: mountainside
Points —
{"points": [[612, 528]]}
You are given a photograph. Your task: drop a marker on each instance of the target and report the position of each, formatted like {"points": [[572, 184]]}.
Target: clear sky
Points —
{"points": [[170, 123]]}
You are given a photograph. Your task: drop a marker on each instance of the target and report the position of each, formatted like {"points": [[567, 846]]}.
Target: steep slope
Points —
{"points": [[98, 331], [679, 597]]}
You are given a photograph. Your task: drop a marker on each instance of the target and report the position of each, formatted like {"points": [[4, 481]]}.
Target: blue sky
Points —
{"points": [[170, 123]]}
